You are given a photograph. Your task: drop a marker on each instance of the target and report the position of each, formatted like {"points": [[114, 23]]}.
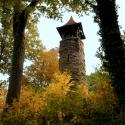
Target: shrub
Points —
{"points": [[60, 104]]}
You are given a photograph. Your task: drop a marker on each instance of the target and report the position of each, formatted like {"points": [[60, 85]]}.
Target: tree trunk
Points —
{"points": [[113, 47], [19, 23]]}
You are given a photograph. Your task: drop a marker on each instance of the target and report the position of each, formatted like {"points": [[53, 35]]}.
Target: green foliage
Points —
{"points": [[100, 76], [123, 36], [51, 8], [32, 42]]}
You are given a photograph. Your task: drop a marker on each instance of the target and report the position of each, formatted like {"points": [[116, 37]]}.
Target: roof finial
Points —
{"points": [[71, 21], [71, 18]]}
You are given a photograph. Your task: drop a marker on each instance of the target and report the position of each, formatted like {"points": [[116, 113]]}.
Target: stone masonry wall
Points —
{"points": [[72, 58]]}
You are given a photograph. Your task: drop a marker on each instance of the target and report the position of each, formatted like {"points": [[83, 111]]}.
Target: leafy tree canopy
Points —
{"points": [[32, 42], [49, 8], [41, 72]]}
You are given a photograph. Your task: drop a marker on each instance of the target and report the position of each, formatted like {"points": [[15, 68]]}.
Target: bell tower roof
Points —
{"points": [[71, 28]]}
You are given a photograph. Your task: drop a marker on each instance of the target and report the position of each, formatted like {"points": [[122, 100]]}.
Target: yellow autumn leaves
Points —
{"points": [[60, 104]]}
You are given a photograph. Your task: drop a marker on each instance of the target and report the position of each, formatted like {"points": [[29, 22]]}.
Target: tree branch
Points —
{"points": [[33, 4], [91, 5], [25, 13]]}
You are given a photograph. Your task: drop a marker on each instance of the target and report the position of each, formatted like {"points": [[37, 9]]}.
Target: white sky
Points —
{"points": [[51, 38]]}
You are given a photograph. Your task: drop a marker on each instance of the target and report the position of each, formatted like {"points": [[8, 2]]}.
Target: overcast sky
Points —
{"points": [[51, 38]]}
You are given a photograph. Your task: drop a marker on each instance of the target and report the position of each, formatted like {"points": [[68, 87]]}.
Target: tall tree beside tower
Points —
{"points": [[113, 46], [20, 17]]}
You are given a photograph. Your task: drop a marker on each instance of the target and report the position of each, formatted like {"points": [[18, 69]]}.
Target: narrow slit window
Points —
{"points": [[68, 58]]}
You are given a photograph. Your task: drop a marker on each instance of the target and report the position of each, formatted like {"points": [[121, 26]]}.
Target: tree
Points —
{"points": [[21, 10], [113, 46], [32, 42], [41, 72]]}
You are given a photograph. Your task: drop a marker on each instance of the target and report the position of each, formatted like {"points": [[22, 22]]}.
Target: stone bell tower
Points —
{"points": [[71, 50]]}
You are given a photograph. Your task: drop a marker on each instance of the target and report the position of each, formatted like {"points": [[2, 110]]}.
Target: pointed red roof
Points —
{"points": [[71, 21], [71, 28]]}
